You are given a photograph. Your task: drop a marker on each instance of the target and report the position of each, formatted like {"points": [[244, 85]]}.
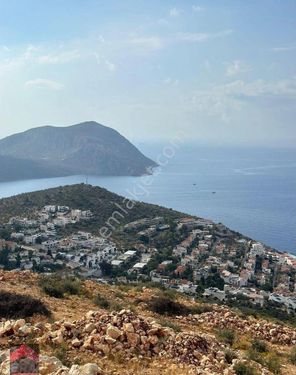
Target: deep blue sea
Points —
{"points": [[251, 190]]}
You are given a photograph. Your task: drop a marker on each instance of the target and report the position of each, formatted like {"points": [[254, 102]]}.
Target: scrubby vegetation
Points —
{"points": [[243, 369], [201, 308], [165, 305], [269, 311], [227, 336], [273, 363], [14, 306], [101, 301], [293, 356], [230, 355], [260, 353], [58, 286], [104, 303], [260, 346], [60, 352]]}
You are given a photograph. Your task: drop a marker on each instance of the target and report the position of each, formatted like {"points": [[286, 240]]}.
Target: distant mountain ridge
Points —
{"points": [[85, 148]]}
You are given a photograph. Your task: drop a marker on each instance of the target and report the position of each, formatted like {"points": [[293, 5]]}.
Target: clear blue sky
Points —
{"points": [[222, 71]]}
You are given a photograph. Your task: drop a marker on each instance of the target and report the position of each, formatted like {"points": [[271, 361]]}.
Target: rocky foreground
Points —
{"points": [[80, 338], [124, 332], [223, 318]]}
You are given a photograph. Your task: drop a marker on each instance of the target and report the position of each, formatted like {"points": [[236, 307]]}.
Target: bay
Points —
{"points": [[251, 190]]}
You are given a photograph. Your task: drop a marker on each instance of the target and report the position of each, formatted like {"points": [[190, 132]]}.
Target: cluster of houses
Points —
{"points": [[207, 253], [36, 243], [46, 224], [147, 227], [248, 269]]}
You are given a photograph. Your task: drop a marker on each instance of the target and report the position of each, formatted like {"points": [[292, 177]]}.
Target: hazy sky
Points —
{"points": [[222, 71]]}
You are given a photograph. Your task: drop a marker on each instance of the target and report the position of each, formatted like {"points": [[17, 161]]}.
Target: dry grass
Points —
{"points": [[73, 307]]}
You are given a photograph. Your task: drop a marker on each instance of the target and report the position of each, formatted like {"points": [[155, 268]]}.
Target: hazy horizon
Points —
{"points": [[223, 72]]}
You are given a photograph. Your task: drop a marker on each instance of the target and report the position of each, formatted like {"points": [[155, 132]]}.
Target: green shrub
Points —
{"points": [[200, 309], [227, 336], [241, 368], [293, 355], [166, 306], [273, 363], [118, 307], [104, 303], [101, 301], [170, 293], [53, 290], [57, 286], [60, 352], [270, 360], [230, 355], [260, 346], [255, 356], [72, 285], [119, 295], [14, 306]]}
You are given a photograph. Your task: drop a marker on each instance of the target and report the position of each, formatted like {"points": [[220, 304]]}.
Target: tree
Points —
{"points": [[214, 281], [258, 264], [4, 254], [106, 268], [39, 240], [5, 234], [18, 261]]}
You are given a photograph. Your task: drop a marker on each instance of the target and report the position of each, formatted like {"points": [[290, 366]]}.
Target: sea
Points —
{"points": [[251, 190]]}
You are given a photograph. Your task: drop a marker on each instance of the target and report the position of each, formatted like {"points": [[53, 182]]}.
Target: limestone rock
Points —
{"points": [[113, 332], [89, 369]]}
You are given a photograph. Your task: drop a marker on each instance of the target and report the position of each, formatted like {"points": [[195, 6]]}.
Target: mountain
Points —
{"points": [[85, 148], [23, 169]]}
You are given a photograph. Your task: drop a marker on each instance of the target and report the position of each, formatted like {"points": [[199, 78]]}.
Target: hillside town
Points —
{"points": [[194, 256]]}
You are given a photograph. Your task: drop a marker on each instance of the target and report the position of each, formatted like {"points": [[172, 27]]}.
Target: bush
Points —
{"points": [[60, 352], [260, 346], [273, 363], [101, 301], [15, 306], [241, 368], [270, 360], [230, 355], [227, 336], [200, 309], [72, 285], [170, 293], [255, 356], [52, 289], [119, 295], [166, 306], [57, 286], [242, 344], [293, 355], [118, 307]]}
